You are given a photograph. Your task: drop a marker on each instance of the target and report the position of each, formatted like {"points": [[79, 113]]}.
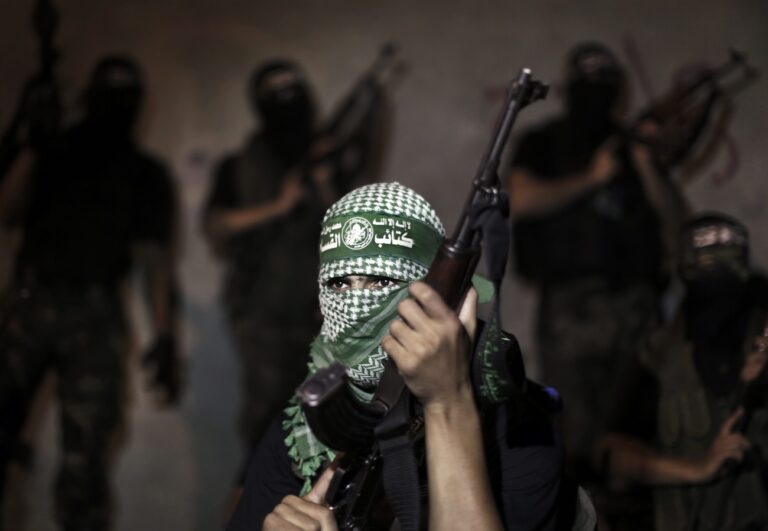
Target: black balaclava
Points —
{"points": [[113, 97], [595, 84], [715, 269], [283, 101]]}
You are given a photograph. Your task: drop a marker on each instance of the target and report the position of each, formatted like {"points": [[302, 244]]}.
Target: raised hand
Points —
{"points": [[727, 446], [304, 514], [430, 343]]}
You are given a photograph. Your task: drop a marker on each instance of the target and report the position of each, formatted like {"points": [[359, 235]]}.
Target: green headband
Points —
{"points": [[367, 234]]}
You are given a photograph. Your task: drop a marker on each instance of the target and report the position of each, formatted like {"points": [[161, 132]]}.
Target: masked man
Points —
{"points": [[92, 206], [484, 473], [691, 419], [262, 214], [591, 218]]}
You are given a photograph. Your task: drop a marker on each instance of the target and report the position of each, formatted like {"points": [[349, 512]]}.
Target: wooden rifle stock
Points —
{"points": [[683, 114], [666, 107]]}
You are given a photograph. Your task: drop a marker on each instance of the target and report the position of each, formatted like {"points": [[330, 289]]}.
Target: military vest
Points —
{"points": [[689, 418]]}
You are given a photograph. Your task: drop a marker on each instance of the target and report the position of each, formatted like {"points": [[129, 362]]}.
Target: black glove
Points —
{"points": [[163, 368]]}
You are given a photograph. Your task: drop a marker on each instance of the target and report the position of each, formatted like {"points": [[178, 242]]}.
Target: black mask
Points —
{"points": [[114, 112], [113, 98], [595, 82], [717, 309], [287, 116], [591, 106], [285, 106]]}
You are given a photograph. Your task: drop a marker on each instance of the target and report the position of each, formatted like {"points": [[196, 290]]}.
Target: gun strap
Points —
{"points": [[497, 369], [400, 472]]}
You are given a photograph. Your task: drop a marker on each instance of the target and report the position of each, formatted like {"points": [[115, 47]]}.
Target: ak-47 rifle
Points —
{"points": [[369, 436], [39, 109], [752, 395], [352, 123], [682, 115]]}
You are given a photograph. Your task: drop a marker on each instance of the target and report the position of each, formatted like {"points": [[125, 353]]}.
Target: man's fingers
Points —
{"points": [[413, 313], [291, 512], [413, 341], [320, 488], [275, 522], [395, 350], [430, 300], [468, 313], [728, 424], [313, 514]]}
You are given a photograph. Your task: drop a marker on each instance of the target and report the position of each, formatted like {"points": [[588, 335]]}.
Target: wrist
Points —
{"points": [[282, 206], [696, 471], [447, 409]]}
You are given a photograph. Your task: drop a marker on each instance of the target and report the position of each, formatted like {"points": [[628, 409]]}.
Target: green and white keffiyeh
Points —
{"points": [[383, 229]]}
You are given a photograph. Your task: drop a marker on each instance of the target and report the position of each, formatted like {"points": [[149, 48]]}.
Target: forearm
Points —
{"points": [[459, 490], [14, 189], [160, 287], [667, 200], [632, 460], [223, 223], [531, 197]]}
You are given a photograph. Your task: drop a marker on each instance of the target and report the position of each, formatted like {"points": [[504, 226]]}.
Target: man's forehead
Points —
{"points": [[718, 234], [280, 79]]}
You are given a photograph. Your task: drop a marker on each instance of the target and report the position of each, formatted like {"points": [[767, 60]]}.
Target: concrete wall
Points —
{"points": [[176, 466]]}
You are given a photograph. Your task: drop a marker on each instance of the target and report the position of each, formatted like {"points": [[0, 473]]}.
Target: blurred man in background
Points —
{"points": [[588, 235], [690, 417], [93, 207], [263, 217]]}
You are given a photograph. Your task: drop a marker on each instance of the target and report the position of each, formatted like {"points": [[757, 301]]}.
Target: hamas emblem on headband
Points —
{"points": [[357, 233]]}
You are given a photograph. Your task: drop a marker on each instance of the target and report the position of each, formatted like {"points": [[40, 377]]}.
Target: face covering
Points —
{"points": [[716, 312], [287, 115], [385, 230]]}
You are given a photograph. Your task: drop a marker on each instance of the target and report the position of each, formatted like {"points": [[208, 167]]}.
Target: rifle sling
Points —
{"points": [[399, 469]]}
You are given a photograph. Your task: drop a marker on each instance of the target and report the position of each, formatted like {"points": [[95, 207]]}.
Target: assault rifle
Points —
{"points": [[750, 397], [376, 439], [752, 394], [682, 115], [353, 123], [39, 109]]}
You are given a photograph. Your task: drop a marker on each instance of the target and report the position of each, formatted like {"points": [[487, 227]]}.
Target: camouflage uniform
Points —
{"points": [[93, 198], [587, 330], [269, 291], [80, 335], [689, 418]]}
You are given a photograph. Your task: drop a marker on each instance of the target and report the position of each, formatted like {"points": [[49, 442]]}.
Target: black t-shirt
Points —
{"points": [[524, 465], [91, 200], [636, 399], [610, 231], [271, 268]]}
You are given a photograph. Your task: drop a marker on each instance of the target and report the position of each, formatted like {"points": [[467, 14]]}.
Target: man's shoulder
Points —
{"points": [[548, 129], [255, 145]]}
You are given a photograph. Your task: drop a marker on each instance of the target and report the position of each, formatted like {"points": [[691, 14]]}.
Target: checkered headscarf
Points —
{"points": [[383, 229]]}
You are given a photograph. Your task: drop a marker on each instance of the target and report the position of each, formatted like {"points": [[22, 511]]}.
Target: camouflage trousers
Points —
{"points": [[586, 331], [80, 335]]}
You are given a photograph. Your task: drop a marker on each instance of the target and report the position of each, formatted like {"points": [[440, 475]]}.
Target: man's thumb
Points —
{"points": [[468, 313], [317, 494]]}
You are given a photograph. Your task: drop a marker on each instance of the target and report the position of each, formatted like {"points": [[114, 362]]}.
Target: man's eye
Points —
{"points": [[337, 284], [382, 283]]}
